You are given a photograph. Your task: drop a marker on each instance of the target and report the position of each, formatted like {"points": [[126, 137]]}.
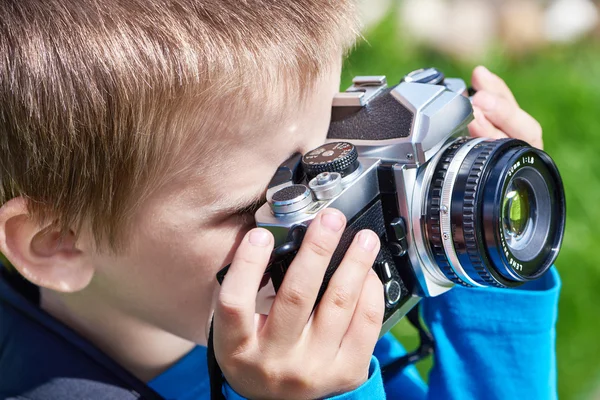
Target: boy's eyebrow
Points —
{"points": [[245, 205]]}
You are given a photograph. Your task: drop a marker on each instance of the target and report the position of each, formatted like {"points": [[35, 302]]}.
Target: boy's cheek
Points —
{"points": [[168, 278]]}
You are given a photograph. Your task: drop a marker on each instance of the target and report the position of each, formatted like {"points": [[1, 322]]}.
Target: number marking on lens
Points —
{"points": [[529, 160], [511, 261], [514, 167]]}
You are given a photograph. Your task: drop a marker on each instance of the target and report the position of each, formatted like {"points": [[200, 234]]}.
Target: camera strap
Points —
{"points": [[426, 348], [214, 371]]}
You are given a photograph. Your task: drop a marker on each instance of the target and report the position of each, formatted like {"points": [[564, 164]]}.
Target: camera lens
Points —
{"points": [[495, 212]]}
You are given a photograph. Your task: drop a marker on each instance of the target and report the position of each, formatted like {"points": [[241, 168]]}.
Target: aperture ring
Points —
{"points": [[448, 209], [432, 224]]}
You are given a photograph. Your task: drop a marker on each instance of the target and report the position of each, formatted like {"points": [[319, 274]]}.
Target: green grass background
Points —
{"points": [[560, 87]]}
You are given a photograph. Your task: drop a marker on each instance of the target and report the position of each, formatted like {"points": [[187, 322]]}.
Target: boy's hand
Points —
{"points": [[294, 353], [497, 113]]}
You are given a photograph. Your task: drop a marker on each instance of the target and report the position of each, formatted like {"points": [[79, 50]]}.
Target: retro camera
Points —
{"points": [[449, 210]]}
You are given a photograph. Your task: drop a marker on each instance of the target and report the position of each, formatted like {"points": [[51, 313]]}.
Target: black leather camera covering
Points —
{"points": [[373, 219], [370, 218], [382, 118]]}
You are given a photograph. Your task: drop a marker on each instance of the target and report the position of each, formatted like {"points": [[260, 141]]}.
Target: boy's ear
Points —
{"points": [[40, 253]]}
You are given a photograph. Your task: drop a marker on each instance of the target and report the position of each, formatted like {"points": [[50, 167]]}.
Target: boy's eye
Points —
{"points": [[245, 215], [250, 208]]}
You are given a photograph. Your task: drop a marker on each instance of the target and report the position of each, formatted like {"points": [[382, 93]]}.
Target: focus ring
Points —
{"points": [[469, 212], [433, 213]]}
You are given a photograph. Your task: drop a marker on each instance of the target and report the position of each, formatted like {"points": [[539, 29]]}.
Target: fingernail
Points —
{"points": [[484, 101], [367, 240], [332, 220], [259, 237]]}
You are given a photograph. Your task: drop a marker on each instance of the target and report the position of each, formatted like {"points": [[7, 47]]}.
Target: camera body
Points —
{"points": [[394, 162], [395, 131]]}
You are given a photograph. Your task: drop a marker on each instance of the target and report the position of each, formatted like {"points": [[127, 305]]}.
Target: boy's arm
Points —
{"points": [[407, 385], [495, 343]]}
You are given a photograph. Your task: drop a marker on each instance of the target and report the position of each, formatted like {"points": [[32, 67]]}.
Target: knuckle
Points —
{"points": [[364, 259], [229, 305], [249, 259], [294, 295], [286, 380], [340, 297], [266, 370], [320, 247], [372, 313], [297, 382]]}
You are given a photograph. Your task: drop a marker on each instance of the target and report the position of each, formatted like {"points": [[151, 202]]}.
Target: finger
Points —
{"points": [[509, 118], [234, 319], [335, 310], [363, 332], [298, 292], [482, 127], [483, 79]]}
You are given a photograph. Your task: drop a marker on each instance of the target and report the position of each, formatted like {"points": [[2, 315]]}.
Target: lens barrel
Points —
{"points": [[494, 213]]}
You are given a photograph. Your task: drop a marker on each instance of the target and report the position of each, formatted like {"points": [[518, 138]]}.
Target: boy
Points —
{"points": [[137, 139]]}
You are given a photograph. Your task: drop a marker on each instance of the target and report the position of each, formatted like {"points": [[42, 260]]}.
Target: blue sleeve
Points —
{"points": [[407, 385], [495, 343]]}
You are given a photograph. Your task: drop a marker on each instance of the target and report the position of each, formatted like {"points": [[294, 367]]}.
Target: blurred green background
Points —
{"points": [[560, 86]]}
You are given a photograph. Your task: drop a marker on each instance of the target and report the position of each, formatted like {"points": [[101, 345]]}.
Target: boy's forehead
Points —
{"points": [[248, 170], [236, 165]]}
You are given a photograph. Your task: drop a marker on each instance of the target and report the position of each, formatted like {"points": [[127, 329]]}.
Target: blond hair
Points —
{"points": [[95, 95]]}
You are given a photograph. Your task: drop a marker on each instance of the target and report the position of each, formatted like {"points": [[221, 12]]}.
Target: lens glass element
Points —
{"points": [[526, 214], [518, 211]]}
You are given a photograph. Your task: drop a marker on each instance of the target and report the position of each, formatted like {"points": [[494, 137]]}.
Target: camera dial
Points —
{"points": [[340, 157], [291, 199]]}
